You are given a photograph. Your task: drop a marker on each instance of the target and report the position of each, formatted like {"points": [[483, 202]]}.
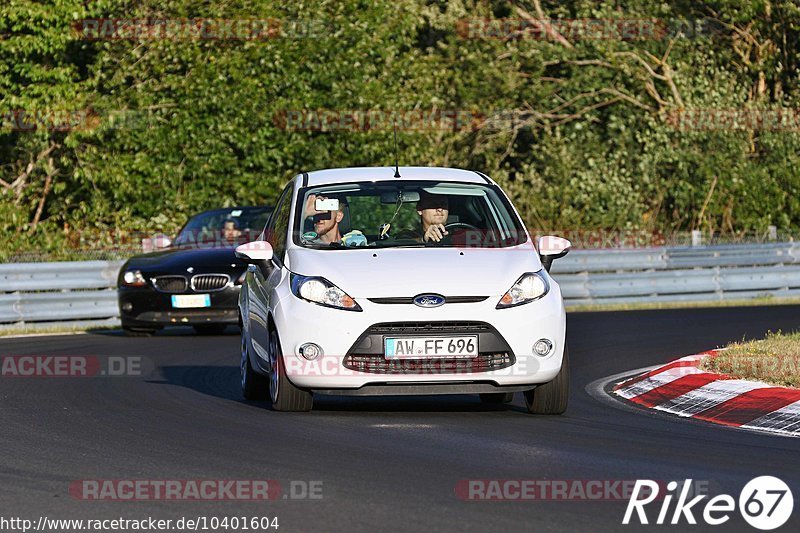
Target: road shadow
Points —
{"points": [[223, 382], [170, 331]]}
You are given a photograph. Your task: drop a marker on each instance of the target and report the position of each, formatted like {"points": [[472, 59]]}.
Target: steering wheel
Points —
{"points": [[459, 226], [406, 233]]}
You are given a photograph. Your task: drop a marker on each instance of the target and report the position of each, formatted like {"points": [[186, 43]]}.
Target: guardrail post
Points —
{"points": [[697, 237], [772, 233]]}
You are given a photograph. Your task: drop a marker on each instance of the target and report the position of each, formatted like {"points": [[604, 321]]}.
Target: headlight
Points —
{"points": [[322, 292], [133, 278], [527, 288]]}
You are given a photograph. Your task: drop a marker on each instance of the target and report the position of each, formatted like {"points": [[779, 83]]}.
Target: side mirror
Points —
{"points": [[256, 252], [156, 242], [552, 248], [161, 241]]}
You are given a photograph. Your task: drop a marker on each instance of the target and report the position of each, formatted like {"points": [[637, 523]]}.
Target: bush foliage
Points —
{"points": [[587, 132]]}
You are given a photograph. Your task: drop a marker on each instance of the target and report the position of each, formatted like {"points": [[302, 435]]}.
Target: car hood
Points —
{"points": [[173, 259], [404, 272]]}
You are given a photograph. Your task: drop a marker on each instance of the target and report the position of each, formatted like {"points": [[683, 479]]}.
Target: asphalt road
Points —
{"points": [[384, 463]]}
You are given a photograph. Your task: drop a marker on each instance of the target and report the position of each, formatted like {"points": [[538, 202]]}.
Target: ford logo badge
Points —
{"points": [[429, 300]]}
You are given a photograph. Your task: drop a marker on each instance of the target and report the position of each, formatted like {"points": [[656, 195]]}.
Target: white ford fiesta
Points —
{"points": [[390, 281]]}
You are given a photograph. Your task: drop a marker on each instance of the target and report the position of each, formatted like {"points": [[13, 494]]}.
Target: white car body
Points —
{"points": [[268, 306]]}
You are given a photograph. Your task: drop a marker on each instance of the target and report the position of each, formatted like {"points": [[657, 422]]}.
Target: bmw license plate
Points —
{"points": [[183, 301], [427, 347]]}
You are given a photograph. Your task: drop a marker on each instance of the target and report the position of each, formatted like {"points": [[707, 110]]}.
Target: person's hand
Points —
{"points": [[435, 232], [311, 209]]}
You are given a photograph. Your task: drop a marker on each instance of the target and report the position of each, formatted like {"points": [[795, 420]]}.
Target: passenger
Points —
{"points": [[326, 225]]}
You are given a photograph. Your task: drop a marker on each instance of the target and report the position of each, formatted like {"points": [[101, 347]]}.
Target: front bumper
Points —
{"points": [[340, 334], [145, 307]]}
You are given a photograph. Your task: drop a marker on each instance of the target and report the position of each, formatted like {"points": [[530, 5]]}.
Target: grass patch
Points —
{"points": [[775, 359], [53, 328]]}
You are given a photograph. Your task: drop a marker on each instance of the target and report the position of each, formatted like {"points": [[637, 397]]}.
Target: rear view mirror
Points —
{"points": [[552, 248], [254, 252], [392, 197]]}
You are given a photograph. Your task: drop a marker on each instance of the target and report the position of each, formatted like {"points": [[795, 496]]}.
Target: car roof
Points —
{"points": [[235, 208], [356, 174]]}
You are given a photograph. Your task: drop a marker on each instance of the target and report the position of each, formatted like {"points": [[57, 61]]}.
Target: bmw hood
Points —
{"points": [[405, 272], [179, 259]]}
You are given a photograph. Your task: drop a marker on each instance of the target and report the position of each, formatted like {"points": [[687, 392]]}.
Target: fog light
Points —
{"points": [[542, 347], [127, 306], [310, 350]]}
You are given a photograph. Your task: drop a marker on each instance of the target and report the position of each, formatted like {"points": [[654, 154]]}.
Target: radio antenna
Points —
{"points": [[396, 163]]}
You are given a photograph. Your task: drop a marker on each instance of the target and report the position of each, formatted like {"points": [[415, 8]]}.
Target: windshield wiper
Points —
{"points": [[383, 244]]}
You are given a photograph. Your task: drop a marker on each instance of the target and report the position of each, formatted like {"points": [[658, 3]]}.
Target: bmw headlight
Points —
{"points": [[133, 278], [527, 288], [322, 292]]}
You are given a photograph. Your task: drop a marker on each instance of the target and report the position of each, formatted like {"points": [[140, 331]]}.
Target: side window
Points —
{"points": [[279, 224]]}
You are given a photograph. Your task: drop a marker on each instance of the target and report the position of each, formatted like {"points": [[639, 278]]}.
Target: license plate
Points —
{"points": [[183, 301], [426, 347]]}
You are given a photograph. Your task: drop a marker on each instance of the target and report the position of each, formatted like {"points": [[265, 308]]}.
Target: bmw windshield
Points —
{"points": [[224, 227], [406, 214]]}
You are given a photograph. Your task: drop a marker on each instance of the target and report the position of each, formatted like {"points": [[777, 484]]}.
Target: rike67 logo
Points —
{"points": [[765, 503]]}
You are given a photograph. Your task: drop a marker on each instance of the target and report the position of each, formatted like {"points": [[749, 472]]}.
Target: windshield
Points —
{"points": [[224, 227], [418, 213]]}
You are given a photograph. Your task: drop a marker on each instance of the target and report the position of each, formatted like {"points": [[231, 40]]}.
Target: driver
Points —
{"points": [[433, 210], [230, 231]]}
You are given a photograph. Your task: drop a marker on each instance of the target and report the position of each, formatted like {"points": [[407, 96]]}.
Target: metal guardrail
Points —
{"points": [[59, 291], [85, 291], [686, 274]]}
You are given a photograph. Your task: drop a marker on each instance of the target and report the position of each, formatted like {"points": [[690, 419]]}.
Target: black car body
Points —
{"points": [[196, 280]]}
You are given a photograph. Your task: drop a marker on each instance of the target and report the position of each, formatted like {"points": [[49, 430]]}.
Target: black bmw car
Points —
{"points": [[195, 279]]}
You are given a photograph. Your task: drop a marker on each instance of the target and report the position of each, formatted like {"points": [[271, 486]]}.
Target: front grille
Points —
{"points": [[409, 300], [377, 364], [423, 328], [209, 282], [170, 283], [490, 343]]}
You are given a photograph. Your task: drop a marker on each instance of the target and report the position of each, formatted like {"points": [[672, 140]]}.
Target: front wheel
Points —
{"points": [[552, 397], [285, 396]]}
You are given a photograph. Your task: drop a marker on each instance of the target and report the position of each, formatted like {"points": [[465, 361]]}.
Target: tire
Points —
{"points": [[284, 395], [210, 329], [254, 385], [138, 332], [552, 397], [497, 397]]}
